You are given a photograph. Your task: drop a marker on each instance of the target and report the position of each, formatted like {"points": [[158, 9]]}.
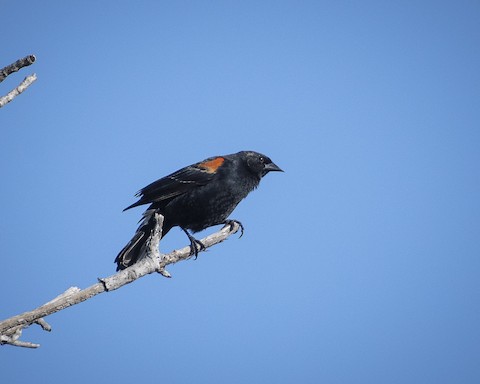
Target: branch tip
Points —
{"points": [[45, 326], [164, 273]]}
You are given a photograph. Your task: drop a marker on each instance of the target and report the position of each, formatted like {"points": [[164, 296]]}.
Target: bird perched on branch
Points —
{"points": [[196, 197]]}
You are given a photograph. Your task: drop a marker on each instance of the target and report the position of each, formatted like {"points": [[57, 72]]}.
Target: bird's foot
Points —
{"points": [[195, 245], [231, 223]]}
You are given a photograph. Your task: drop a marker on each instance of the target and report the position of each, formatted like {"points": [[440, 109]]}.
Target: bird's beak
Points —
{"points": [[272, 167]]}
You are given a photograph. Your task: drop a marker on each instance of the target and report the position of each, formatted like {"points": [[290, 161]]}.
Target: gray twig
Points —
{"points": [[45, 326], [16, 66], [18, 90]]}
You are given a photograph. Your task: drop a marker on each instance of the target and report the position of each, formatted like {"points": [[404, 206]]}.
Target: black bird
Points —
{"points": [[196, 197]]}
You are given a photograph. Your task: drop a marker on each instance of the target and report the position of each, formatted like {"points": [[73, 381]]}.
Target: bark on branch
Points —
{"points": [[11, 329], [14, 67]]}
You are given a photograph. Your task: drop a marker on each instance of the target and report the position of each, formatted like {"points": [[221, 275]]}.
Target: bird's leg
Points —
{"points": [[232, 222], [193, 244]]}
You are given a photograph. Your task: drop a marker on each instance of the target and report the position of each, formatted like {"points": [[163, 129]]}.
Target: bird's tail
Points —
{"points": [[136, 247]]}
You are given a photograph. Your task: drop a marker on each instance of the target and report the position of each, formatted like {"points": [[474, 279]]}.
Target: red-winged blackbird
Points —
{"points": [[196, 197]]}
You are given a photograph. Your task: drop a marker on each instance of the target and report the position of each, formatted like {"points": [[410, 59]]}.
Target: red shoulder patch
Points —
{"points": [[211, 166]]}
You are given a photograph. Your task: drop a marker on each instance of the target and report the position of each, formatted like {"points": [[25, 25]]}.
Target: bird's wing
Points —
{"points": [[179, 182]]}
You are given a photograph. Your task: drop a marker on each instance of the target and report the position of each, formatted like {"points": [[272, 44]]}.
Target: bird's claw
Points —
{"points": [[194, 249], [195, 245], [231, 223]]}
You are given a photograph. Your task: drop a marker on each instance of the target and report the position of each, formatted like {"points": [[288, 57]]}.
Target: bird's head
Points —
{"points": [[260, 164]]}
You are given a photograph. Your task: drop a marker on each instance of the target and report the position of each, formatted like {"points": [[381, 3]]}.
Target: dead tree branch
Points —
{"points": [[8, 70], [16, 66], [11, 329]]}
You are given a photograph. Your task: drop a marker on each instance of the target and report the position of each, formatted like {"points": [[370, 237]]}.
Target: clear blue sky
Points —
{"points": [[359, 264]]}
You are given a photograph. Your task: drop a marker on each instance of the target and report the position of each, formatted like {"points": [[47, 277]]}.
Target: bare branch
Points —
{"points": [[17, 343], [8, 70], [18, 90], [16, 66], [11, 329], [25, 344]]}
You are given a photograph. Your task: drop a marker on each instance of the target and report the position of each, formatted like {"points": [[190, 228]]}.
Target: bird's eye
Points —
{"points": [[262, 159]]}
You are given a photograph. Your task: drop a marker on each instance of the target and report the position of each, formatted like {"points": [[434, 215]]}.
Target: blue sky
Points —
{"points": [[359, 264]]}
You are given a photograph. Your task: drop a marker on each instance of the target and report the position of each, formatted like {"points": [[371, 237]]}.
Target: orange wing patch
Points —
{"points": [[211, 166]]}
